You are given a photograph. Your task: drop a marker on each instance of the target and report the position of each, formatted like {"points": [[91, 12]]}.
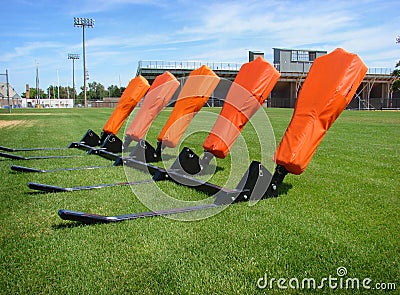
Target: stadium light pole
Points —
{"points": [[84, 23], [8, 91], [73, 56]]}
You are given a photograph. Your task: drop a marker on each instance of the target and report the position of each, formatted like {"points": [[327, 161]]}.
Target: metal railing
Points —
{"points": [[187, 65], [380, 71], [229, 66]]}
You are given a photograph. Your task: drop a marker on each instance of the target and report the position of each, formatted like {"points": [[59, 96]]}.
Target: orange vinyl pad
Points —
{"points": [[329, 87], [133, 93], [251, 88], [194, 94], [158, 96]]}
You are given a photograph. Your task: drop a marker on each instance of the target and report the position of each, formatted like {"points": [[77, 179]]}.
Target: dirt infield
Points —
{"points": [[16, 123]]}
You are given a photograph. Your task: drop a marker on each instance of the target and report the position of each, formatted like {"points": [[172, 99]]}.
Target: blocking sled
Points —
{"points": [[330, 85], [156, 99], [248, 92], [108, 140], [195, 92]]}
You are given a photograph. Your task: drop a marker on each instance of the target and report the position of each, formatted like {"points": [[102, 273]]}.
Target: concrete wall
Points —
{"points": [[47, 103]]}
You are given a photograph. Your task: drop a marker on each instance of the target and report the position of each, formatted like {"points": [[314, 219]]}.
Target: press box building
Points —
{"points": [[294, 65]]}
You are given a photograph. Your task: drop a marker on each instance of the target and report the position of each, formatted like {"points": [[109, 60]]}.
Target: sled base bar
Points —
{"points": [[48, 188], [142, 152], [96, 218], [58, 189], [33, 170], [18, 157], [139, 165], [26, 169], [79, 145], [197, 184], [106, 154], [12, 156], [8, 149]]}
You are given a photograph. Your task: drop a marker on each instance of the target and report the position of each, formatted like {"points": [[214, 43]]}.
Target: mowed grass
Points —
{"points": [[343, 211]]}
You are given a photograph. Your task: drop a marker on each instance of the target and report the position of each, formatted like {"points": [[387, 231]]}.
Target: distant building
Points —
{"points": [[15, 99], [47, 103], [32, 102], [295, 60], [293, 64], [254, 54], [107, 102]]}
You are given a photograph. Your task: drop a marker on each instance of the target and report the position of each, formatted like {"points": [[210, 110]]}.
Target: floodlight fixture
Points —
{"points": [[73, 56], [84, 23]]}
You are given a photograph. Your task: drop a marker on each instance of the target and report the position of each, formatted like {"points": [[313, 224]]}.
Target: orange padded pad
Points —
{"points": [[329, 87], [158, 96], [251, 88], [133, 93], [194, 94]]}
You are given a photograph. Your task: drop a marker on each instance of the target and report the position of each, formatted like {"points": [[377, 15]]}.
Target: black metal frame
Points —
{"points": [[254, 185], [35, 170], [18, 157], [111, 143], [8, 149], [96, 218], [90, 139]]}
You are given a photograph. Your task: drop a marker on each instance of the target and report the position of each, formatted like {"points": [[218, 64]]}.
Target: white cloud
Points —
{"points": [[97, 6], [29, 48], [197, 30]]}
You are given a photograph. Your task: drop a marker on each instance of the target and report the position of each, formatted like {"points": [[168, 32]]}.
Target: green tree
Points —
{"points": [[115, 91], [79, 98], [96, 91], [62, 92], [52, 91], [71, 92], [396, 73], [32, 93]]}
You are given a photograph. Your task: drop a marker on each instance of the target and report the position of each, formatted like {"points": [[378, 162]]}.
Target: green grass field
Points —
{"points": [[343, 211]]}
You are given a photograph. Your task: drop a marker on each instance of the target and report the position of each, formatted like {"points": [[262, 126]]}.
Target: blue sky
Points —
{"points": [[41, 32]]}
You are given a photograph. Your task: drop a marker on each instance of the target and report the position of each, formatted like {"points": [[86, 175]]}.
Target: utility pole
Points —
{"points": [[89, 23], [73, 57], [8, 91], [37, 87], [58, 86]]}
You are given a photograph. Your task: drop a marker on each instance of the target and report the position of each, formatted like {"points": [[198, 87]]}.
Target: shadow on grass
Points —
{"points": [[4, 159], [72, 224], [284, 188], [34, 193]]}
